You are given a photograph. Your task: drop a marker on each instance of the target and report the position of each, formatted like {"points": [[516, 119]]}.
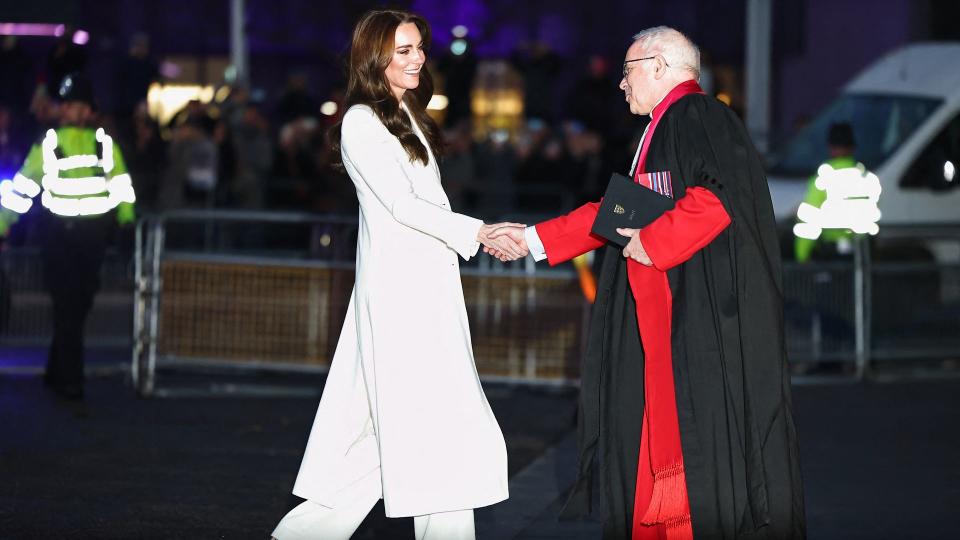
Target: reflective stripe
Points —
{"points": [[88, 206], [25, 185], [51, 162], [16, 203], [120, 180], [49, 148], [6, 187], [12, 200], [121, 186], [92, 185], [107, 142], [78, 162], [852, 197], [76, 196]]}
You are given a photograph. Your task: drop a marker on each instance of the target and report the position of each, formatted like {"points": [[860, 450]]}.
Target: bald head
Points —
{"points": [[659, 59]]}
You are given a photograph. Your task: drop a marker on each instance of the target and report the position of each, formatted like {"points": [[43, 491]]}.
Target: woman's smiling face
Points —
{"points": [[403, 73]]}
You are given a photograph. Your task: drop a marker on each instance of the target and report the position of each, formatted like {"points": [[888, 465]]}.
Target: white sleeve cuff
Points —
{"points": [[534, 244], [465, 243]]}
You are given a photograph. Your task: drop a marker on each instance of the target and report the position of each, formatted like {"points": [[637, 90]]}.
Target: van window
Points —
{"points": [[936, 167], [881, 123]]}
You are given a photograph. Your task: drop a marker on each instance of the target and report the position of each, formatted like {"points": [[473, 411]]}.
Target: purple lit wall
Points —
{"points": [[578, 28], [841, 39], [309, 36], [819, 44], [443, 15]]}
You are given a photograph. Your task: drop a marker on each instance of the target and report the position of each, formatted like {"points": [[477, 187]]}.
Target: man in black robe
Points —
{"points": [[685, 400]]}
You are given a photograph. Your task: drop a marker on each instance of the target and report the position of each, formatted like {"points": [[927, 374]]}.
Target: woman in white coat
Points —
{"points": [[403, 415]]}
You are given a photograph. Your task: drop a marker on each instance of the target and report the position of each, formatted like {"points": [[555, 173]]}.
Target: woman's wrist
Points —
{"points": [[483, 232]]}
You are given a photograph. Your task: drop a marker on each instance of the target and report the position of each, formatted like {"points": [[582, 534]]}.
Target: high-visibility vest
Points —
{"points": [[804, 247], [76, 172]]}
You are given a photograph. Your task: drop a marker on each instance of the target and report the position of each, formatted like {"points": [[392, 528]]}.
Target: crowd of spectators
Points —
{"points": [[250, 152]]}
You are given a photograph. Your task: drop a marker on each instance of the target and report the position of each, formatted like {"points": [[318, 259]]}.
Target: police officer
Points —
{"points": [[832, 242], [80, 178]]}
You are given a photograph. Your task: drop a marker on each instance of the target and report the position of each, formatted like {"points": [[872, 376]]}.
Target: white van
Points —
{"points": [[905, 113]]}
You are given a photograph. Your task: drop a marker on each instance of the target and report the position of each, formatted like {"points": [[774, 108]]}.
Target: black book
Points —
{"points": [[630, 205]]}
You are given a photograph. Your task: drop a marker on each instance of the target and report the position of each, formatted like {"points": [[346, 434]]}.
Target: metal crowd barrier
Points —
{"points": [[914, 307], [896, 300], [248, 291], [269, 291]]}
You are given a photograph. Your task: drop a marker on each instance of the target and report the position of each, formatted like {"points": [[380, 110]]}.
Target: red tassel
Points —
{"points": [[669, 499], [679, 528]]}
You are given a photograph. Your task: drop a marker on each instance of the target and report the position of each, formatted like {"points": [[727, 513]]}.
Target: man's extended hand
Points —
{"points": [[634, 249], [503, 240]]}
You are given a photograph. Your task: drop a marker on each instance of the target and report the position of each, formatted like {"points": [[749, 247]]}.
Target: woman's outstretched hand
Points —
{"points": [[504, 241]]}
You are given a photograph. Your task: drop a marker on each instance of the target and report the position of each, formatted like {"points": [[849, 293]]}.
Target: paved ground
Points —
{"points": [[879, 461]]}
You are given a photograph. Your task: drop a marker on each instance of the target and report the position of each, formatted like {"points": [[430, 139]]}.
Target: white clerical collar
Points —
{"points": [[636, 156]]}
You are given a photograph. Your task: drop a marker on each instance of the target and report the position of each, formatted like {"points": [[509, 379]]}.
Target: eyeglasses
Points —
{"points": [[626, 71]]}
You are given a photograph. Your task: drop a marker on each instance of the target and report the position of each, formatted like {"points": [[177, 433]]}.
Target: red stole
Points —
{"points": [[661, 507]]}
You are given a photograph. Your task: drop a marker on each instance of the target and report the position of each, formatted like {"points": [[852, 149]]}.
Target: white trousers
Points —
{"points": [[313, 521]]}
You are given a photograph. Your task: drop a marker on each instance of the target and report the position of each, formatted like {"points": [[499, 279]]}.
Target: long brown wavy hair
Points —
{"points": [[371, 51]]}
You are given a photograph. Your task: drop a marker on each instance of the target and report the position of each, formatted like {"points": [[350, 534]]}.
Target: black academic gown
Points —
{"points": [[729, 358]]}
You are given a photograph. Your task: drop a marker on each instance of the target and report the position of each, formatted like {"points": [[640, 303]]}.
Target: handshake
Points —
{"points": [[504, 241]]}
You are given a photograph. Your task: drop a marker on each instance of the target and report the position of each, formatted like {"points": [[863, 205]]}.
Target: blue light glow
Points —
{"points": [[458, 47]]}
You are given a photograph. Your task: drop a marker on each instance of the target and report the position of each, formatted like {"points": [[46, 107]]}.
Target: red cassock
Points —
{"points": [[670, 240]]}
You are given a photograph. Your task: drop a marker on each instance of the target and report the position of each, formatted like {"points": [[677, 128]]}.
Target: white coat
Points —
{"points": [[403, 393]]}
